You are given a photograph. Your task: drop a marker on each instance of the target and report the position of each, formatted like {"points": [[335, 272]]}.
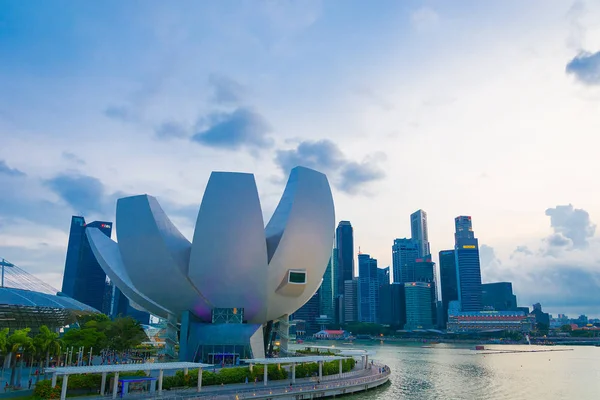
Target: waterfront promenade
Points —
{"points": [[304, 388]]}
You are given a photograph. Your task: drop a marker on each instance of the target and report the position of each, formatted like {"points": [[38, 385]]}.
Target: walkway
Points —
{"points": [[373, 376]]}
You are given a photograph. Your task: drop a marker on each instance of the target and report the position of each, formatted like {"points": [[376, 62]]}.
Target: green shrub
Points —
{"points": [[44, 390], [90, 382], [225, 376]]}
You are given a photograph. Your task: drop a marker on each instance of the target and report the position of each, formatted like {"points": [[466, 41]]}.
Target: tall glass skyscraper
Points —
{"points": [[499, 296], [404, 253], [418, 305], [84, 280], [368, 288], [448, 281], [418, 232], [327, 289], [468, 269], [344, 236]]}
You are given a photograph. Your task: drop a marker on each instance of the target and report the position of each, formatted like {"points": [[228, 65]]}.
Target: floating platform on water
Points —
{"points": [[500, 351]]}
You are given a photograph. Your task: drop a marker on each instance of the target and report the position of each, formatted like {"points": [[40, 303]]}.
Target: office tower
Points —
{"points": [[418, 231], [121, 307], [468, 270], [392, 309], [418, 305], [368, 288], [327, 290], [83, 279], [448, 281], [544, 318], [383, 276], [404, 253], [424, 271], [344, 237], [350, 301], [498, 296], [309, 313]]}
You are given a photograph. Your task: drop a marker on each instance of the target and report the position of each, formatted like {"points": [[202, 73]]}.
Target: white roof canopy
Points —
{"points": [[291, 360], [98, 369]]}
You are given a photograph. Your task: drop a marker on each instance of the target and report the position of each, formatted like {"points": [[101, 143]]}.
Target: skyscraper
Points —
{"points": [[83, 279], [392, 305], [418, 305], [344, 237], [404, 253], [499, 296], [418, 231], [448, 281], [309, 313], [383, 276], [327, 289], [350, 301], [468, 269], [368, 288]]}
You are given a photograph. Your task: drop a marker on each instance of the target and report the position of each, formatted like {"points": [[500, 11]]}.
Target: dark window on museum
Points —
{"points": [[297, 277]]}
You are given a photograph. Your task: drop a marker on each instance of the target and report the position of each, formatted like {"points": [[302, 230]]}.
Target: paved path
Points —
{"points": [[251, 389]]}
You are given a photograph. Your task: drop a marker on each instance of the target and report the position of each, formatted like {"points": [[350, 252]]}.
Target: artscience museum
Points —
{"points": [[235, 284]]}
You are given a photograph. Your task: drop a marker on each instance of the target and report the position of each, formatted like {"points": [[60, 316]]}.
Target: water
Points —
{"points": [[458, 372]]}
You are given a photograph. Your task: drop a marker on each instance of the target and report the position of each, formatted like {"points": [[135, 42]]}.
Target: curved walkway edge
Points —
{"points": [[378, 376]]}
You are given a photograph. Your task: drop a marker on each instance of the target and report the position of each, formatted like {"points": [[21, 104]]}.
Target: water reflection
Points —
{"points": [[449, 372]]}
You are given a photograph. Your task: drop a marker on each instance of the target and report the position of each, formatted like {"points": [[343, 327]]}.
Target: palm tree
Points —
{"points": [[3, 347], [48, 342], [19, 343]]}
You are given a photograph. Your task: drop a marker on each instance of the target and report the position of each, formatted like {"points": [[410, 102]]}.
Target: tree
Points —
{"points": [[3, 340], [20, 344], [566, 328], [125, 333], [47, 342], [84, 337]]}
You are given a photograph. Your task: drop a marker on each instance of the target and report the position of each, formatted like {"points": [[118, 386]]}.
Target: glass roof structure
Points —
{"points": [[28, 302]]}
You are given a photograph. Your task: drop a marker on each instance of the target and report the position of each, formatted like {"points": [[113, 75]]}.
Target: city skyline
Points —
{"points": [[496, 98]]}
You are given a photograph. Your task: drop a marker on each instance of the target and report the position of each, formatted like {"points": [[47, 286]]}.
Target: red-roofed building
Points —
{"points": [[331, 334]]}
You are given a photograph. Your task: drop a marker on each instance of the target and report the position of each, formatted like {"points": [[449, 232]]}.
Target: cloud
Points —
{"points": [[424, 19], [570, 223], [562, 274], [120, 113], [170, 130], [241, 128], [72, 157], [558, 240], [521, 250], [325, 156], [354, 175], [6, 170], [322, 155], [490, 264], [374, 98], [585, 67], [225, 90], [83, 193]]}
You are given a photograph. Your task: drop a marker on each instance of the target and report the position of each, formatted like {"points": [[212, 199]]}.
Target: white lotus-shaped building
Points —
{"points": [[236, 276]]}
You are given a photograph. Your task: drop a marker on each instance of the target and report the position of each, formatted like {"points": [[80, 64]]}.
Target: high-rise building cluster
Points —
{"points": [[407, 296], [85, 281]]}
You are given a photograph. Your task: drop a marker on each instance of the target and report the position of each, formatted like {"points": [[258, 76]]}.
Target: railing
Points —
{"points": [[349, 379]]}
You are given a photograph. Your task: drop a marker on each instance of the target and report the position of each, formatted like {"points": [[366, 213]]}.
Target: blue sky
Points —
{"points": [[488, 109]]}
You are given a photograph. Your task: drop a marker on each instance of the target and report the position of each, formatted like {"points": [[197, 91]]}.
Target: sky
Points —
{"points": [[489, 109]]}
